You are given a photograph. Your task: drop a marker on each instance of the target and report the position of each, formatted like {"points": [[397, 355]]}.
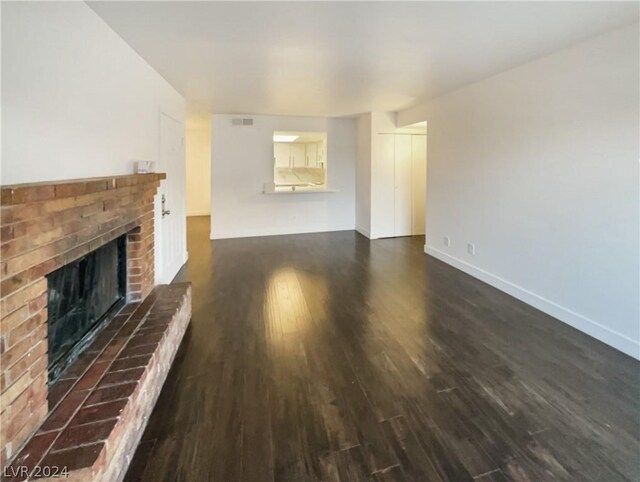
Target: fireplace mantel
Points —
{"points": [[44, 226], [47, 190]]}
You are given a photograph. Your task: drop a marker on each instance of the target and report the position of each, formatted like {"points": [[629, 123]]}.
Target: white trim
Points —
{"points": [[364, 232], [590, 327], [272, 232], [167, 276], [205, 212]]}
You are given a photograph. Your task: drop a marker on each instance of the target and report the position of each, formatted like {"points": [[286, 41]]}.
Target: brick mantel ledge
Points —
{"points": [[44, 191]]}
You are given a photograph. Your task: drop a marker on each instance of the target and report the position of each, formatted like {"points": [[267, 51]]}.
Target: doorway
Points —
{"points": [[198, 164]]}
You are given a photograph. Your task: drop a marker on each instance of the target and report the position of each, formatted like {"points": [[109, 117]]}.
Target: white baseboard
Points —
{"points": [[590, 327], [199, 213], [273, 232], [364, 232]]}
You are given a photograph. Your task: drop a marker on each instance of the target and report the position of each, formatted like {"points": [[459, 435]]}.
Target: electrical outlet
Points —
{"points": [[447, 241], [471, 248]]}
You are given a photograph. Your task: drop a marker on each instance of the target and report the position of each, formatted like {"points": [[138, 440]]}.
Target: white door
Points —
{"points": [[312, 154], [298, 155], [402, 175], [170, 222], [419, 181], [281, 153]]}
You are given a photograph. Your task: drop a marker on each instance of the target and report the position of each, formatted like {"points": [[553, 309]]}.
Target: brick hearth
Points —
{"points": [[101, 404], [44, 226]]}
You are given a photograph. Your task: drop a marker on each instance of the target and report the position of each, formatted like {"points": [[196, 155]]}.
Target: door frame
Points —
{"points": [[379, 233]]}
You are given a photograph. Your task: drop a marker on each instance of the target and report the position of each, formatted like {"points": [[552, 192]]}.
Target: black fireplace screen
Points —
{"points": [[81, 295]]}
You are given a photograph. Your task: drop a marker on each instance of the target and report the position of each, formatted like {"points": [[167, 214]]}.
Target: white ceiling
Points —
{"points": [[344, 58]]}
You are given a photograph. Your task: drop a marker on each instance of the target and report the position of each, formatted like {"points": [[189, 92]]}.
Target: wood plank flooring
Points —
{"points": [[331, 357]]}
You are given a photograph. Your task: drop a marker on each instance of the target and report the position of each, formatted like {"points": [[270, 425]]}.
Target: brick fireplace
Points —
{"points": [[46, 226]]}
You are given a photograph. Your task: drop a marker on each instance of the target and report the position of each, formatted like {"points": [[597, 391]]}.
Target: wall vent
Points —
{"points": [[242, 122]]}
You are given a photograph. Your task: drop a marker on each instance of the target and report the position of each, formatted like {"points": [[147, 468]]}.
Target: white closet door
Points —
{"points": [[385, 197], [298, 155], [419, 181], [403, 199], [281, 153]]}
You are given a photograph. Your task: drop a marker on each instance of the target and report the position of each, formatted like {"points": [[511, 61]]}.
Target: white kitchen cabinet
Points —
{"points": [[282, 155], [322, 154], [298, 154], [312, 154]]}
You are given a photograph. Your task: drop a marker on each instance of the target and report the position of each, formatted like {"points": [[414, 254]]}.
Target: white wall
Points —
{"points": [[77, 100], [242, 161], [363, 175], [538, 166], [198, 140], [381, 122]]}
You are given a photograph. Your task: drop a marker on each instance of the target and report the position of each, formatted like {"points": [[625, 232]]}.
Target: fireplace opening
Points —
{"points": [[83, 296]]}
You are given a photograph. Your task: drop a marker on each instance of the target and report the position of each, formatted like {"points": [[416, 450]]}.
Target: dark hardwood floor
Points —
{"points": [[331, 357]]}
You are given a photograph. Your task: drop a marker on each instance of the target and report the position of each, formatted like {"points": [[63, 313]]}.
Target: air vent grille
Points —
{"points": [[242, 122]]}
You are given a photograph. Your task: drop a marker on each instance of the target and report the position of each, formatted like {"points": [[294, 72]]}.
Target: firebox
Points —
{"points": [[83, 296]]}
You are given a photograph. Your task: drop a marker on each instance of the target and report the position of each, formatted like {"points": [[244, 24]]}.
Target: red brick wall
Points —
{"points": [[44, 226]]}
